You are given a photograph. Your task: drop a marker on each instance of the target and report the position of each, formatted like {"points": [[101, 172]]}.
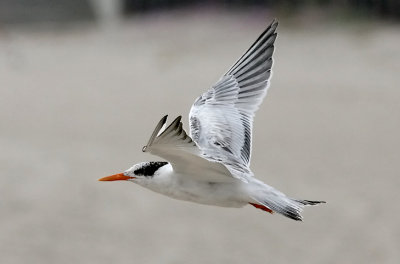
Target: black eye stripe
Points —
{"points": [[149, 168]]}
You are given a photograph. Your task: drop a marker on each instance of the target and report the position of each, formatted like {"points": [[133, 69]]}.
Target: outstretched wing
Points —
{"points": [[221, 119], [175, 146]]}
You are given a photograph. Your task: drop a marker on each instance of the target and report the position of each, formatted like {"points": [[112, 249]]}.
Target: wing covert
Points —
{"points": [[221, 119], [175, 146]]}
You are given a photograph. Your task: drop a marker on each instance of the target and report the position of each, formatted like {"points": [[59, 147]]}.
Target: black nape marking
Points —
{"points": [[149, 168]]}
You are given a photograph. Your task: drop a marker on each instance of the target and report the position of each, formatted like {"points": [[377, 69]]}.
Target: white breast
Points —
{"points": [[184, 187]]}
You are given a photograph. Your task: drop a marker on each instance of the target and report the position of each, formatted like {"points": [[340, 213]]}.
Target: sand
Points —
{"points": [[77, 104]]}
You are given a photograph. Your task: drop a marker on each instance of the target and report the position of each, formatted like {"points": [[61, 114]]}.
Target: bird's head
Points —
{"points": [[137, 173]]}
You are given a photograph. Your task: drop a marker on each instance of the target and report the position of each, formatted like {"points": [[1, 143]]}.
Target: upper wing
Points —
{"points": [[221, 119], [174, 145]]}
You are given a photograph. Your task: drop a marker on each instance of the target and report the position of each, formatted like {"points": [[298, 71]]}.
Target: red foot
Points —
{"points": [[262, 207]]}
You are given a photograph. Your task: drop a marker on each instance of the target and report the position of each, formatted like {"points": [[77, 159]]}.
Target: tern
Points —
{"points": [[212, 165]]}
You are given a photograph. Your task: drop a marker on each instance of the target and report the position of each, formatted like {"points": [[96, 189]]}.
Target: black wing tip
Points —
{"points": [[164, 119], [176, 122], [292, 213], [273, 26], [159, 126], [173, 126], [270, 30], [315, 202], [308, 202], [268, 35]]}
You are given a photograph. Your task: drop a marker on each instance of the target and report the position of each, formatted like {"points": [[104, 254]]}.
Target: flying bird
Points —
{"points": [[212, 165]]}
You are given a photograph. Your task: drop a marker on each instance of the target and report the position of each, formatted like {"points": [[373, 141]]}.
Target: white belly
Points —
{"points": [[185, 187], [219, 194]]}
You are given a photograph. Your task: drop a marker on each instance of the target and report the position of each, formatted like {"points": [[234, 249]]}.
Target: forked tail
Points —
{"points": [[280, 203]]}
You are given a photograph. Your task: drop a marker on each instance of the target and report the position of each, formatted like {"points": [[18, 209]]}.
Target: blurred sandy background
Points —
{"points": [[78, 103]]}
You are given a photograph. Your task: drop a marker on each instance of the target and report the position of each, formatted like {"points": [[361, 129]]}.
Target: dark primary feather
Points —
{"points": [[174, 145], [155, 132], [252, 72], [224, 114], [174, 132]]}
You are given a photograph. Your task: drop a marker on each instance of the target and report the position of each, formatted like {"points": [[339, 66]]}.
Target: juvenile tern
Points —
{"points": [[212, 165]]}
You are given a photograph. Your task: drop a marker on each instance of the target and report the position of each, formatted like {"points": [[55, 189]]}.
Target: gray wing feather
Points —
{"points": [[173, 135], [221, 119], [174, 145], [155, 132]]}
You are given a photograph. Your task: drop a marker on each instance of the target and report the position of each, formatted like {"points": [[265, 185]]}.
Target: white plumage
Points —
{"points": [[212, 166]]}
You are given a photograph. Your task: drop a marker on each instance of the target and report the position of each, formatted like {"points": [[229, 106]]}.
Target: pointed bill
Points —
{"points": [[116, 177]]}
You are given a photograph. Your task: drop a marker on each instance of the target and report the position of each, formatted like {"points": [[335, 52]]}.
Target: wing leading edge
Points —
{"points": [[175, 146], [221, 119]]}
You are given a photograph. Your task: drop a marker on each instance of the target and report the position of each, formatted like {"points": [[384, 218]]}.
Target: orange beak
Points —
{"points": [[116, 177]]}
